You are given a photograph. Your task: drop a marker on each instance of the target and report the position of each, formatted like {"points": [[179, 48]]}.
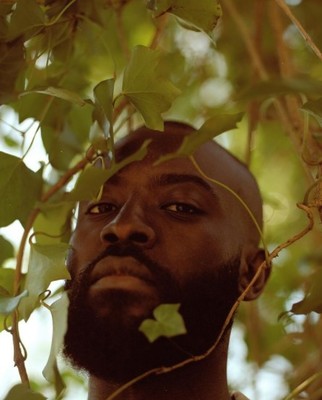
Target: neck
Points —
{"points": [[201, 380]]}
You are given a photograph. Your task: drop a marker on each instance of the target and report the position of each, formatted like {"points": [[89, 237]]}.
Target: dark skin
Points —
{"points": [[172, 236]]}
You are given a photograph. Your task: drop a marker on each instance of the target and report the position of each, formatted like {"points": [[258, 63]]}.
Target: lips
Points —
{"points": [[121, 267]]}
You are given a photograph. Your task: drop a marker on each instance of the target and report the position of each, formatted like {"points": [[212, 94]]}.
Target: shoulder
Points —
{"points": [[238, 396]]}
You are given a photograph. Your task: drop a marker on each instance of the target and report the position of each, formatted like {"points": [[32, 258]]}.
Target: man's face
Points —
{"points": [[158, 234]]}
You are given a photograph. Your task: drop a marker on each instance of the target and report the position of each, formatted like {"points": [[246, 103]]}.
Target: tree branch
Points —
{"points": [[299, 26]]}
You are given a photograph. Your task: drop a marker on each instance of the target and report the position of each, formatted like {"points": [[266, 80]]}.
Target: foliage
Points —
{"points": [[79, 74]]}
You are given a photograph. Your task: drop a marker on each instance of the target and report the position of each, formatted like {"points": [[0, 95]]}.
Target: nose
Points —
{"points": [[128, 227]]}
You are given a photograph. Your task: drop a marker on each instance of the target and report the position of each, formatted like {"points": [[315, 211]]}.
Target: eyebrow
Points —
{"points": [[175, 179], [171, 179]]}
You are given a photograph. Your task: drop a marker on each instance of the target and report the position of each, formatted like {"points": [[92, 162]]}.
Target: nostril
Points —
{"points": [[138, 237], [111, 237]]}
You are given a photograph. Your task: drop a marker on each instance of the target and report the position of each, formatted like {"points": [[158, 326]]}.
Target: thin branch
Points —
{"points": [[19, 357], [255, 58], [265, 264], [299, 26], [293, 131]]}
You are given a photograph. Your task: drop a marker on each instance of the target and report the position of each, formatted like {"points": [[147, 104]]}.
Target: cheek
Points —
{"points": [[86, 245], [191, 251]]}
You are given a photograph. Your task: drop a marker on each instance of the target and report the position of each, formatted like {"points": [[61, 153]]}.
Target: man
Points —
{"points": [[162, 233]]}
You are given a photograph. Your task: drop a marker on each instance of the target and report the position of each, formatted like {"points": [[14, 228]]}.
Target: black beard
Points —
{"points": [[113, 348]]}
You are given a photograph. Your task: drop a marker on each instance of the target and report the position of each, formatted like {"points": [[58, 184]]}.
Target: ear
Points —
{"points": [[252, 259]]}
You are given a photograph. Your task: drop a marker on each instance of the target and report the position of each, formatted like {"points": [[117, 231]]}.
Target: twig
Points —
{"points": [[285, 119], [19, 358], [257, 62], [299, 26], [265, 264]]}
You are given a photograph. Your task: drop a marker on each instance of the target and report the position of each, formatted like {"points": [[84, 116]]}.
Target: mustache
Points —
{"points": [[162, 276]]}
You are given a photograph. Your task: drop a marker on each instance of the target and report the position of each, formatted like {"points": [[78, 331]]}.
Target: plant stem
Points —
{"points": [[299, 26], [19, 358]]}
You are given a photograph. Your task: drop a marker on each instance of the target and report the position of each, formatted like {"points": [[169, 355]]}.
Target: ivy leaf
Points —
{"points": [[22, 391], [6, 250], [58, 312], [46, 264], [9, 304], [314, 107], [26, 16], [103, 111], [210, 129], [313, 300], [146, 88], [60, 93], [168, 322], [7, 276], [11, 63], [55, 221], [20, 188], [92, 178], [202, 14]]}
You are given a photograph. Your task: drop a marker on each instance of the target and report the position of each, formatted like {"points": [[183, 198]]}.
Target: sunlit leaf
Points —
{"points": [[22, 391], [168, 322], [60, 93], [146, 88], [53, 223], [20, 188], [58, 312], [7, 276], [9, 304], [210, 129], [46, 264], [6, 250], [201, 14], [103, 112]]}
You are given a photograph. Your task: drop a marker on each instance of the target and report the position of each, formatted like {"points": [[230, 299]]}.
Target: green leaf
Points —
{"points": [[92, 178], [146, 88], [12, 62], [46, 264], [58, 312], [20, 188], [313, 299], [314, 108], [210, 129], [22, 391], [202, 14], [60, 93], [9, 304], [54, 221], [168, 322], [6, 250], [103, 112], [27, 16], [7, 276]]}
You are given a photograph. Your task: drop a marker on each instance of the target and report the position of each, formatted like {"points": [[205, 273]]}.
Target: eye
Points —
{"points": [[182, 208], [101, 208]]}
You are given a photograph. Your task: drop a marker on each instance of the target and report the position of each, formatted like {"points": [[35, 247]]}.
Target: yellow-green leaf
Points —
{"points": [[202, 14], [168, 322], [46, 264], [19, 189], [146, 88]]}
